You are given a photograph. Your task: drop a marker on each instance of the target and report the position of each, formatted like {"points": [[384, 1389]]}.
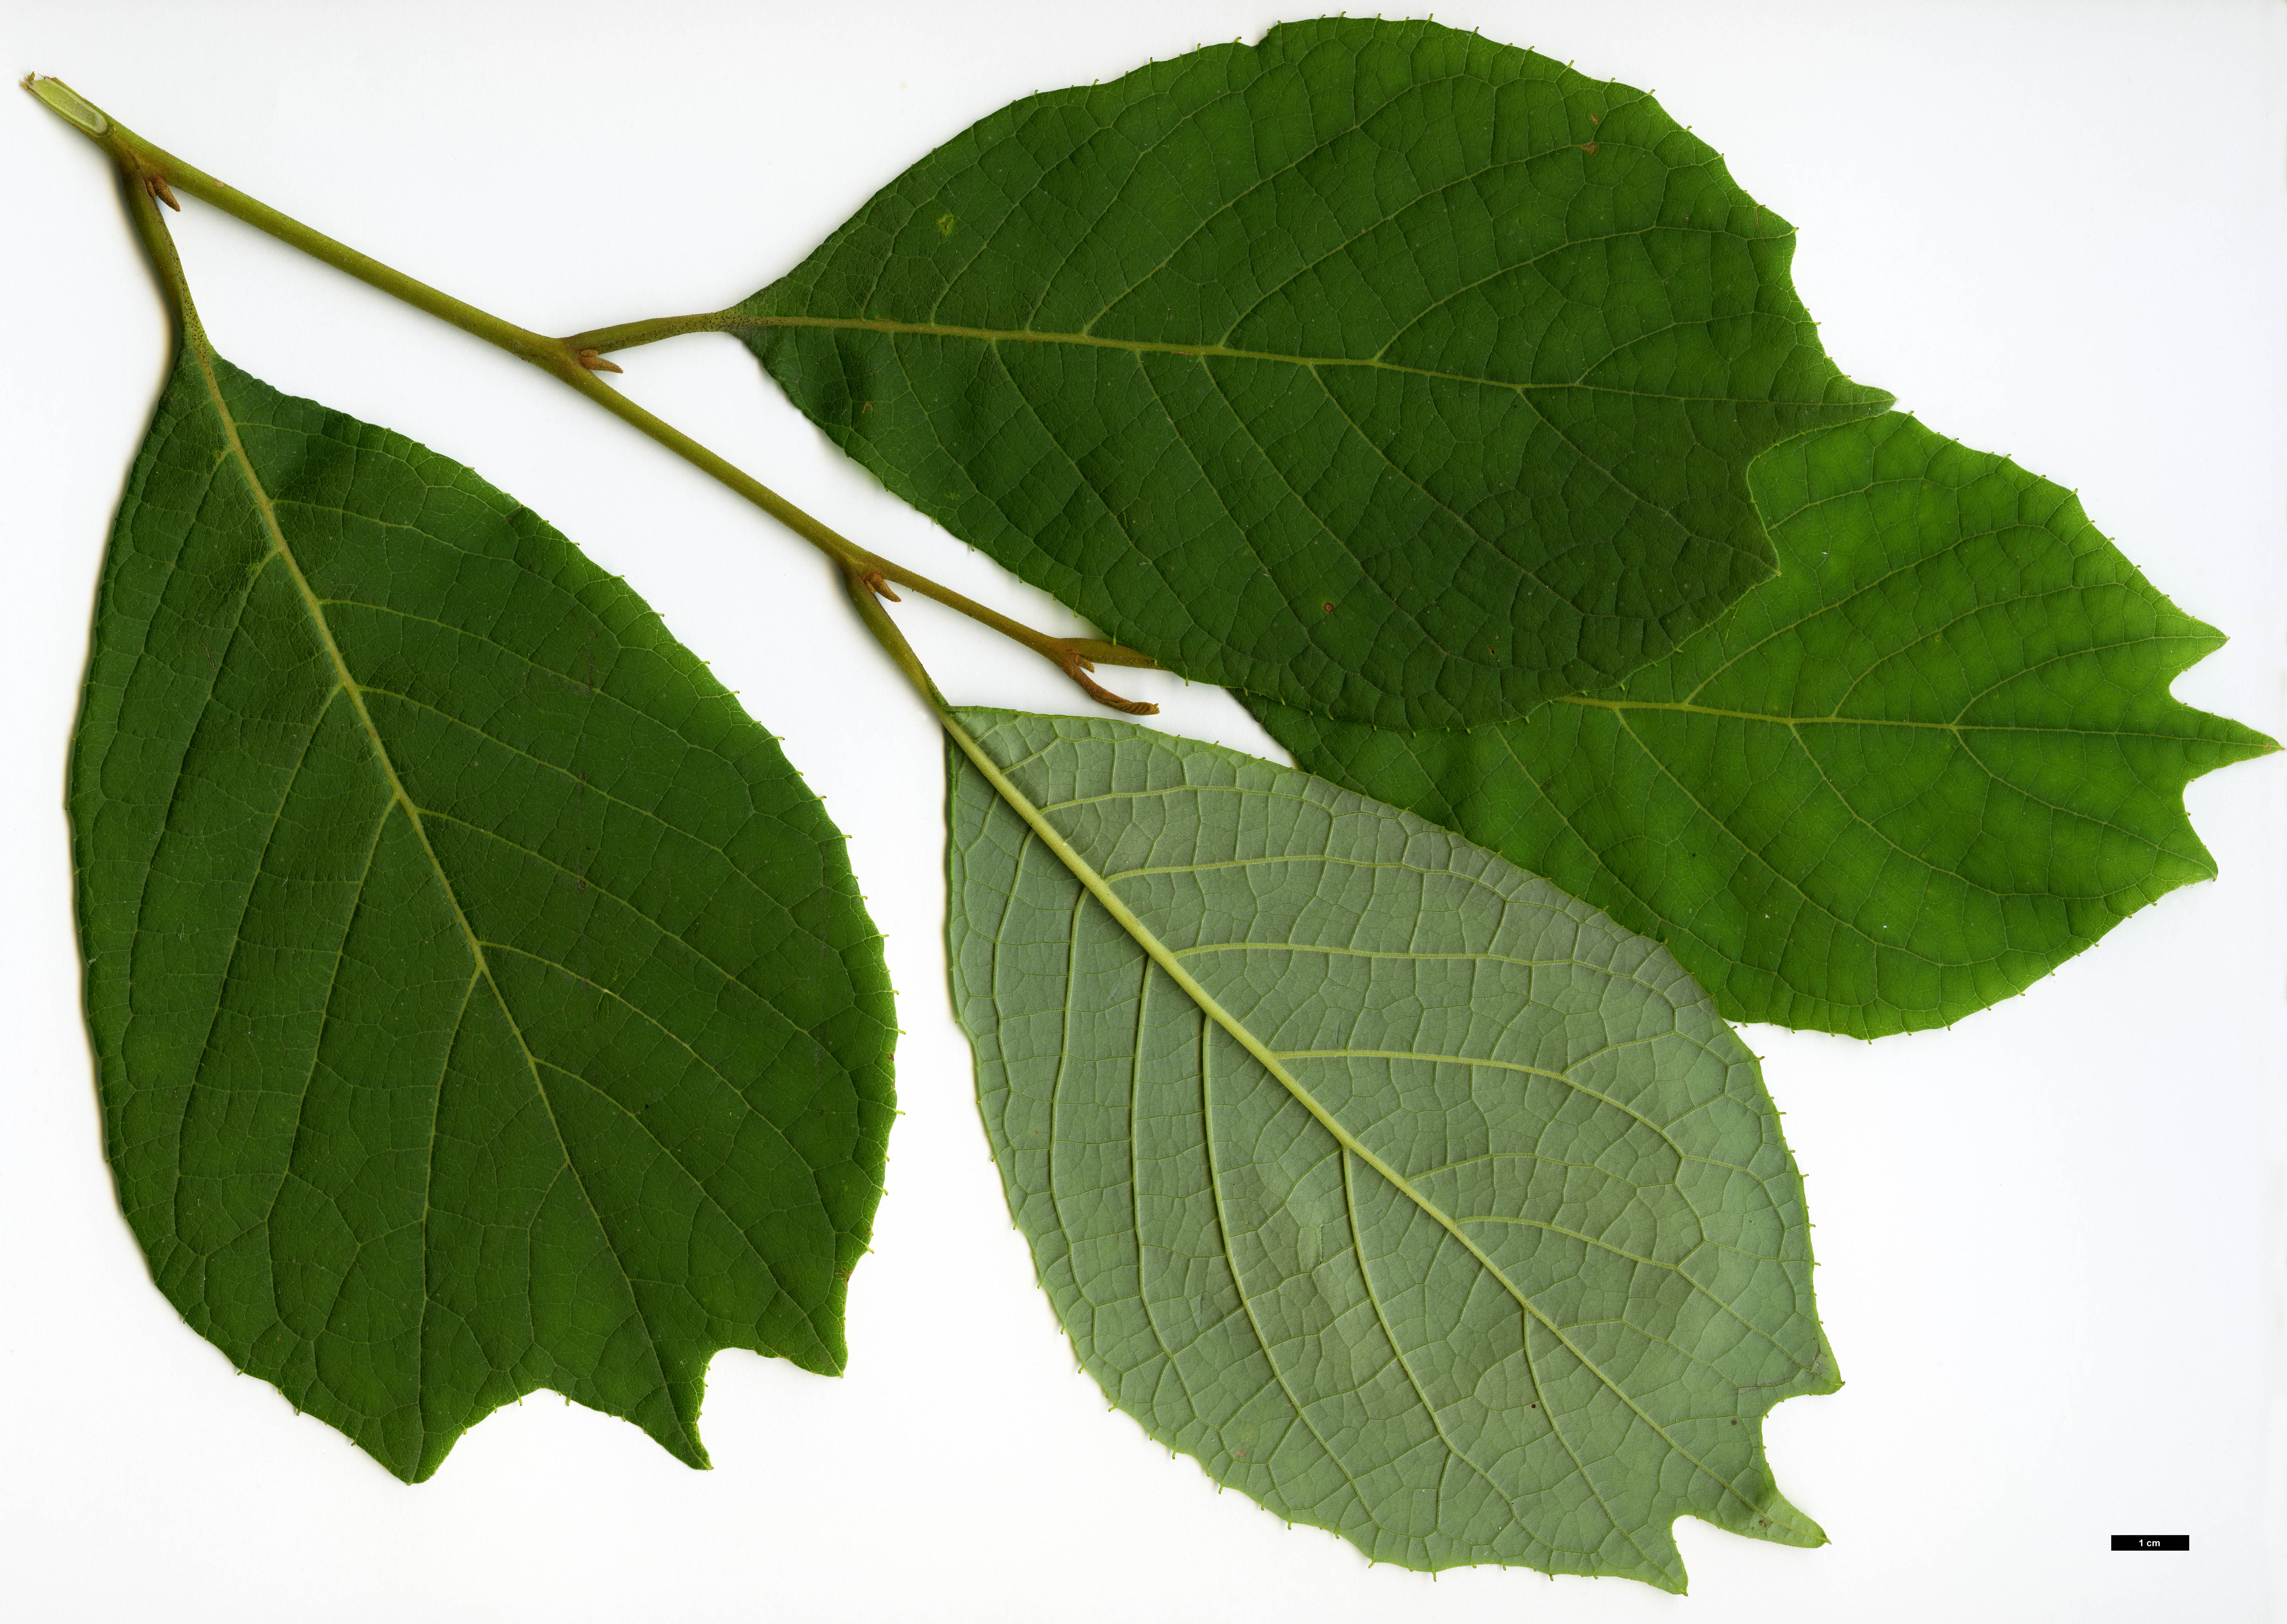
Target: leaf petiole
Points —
{"points": [[629, 335], [865, 595], [575, 362]]}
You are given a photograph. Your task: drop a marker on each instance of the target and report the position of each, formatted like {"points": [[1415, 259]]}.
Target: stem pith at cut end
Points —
{"points": [[68, 102]]}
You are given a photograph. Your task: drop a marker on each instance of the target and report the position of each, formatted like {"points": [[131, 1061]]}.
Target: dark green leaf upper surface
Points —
{"points": [[1401, 376], [481, 1002], [1414, 1197], [1932, 759]]}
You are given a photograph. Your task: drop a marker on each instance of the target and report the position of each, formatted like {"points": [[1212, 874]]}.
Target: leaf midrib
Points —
{"points": [[313, 607], [1082, 870], [732, 323], [1778, 719]]}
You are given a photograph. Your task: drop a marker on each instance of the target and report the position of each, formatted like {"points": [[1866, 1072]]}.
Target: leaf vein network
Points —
{"points": [[1390, 1335], [347, 683], [1230, 1257]]}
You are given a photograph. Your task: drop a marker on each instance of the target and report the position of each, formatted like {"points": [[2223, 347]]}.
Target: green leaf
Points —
{"points": [[1414, 1197], [481, 1002], [1930, 761], [1396, 374]]}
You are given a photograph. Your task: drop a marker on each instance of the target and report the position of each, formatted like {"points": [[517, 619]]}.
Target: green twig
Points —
{"points": [[575, 362]]}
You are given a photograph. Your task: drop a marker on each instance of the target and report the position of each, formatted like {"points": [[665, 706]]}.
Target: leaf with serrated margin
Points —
{"points": [[1401, 376], [481, 1002], [1931, 760], [1415, 1199]]}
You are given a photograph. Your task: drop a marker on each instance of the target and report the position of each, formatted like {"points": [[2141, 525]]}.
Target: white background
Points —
{"points": [[2051, 1237]]}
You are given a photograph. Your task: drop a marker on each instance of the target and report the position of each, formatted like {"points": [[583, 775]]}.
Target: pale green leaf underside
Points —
{"points": [[1932, 759], [1415, 1199], [1398, 374], [481, 1002]]}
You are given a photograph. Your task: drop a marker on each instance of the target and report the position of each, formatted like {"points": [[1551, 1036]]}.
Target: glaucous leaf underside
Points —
{"points": [[1415, 1199], [1401, 376], [481, 1002], [1931, 759]]}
